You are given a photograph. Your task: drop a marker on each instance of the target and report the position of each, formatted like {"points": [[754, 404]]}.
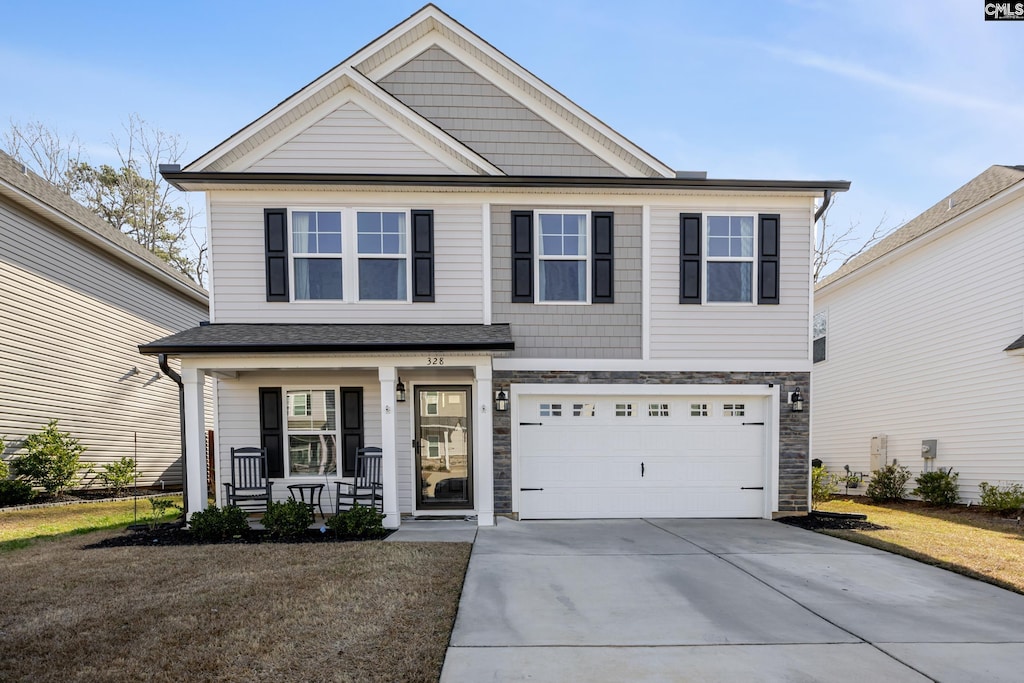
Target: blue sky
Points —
{"points": [[907, 100]]}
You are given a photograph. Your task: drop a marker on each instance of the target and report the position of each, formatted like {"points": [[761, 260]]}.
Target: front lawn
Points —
{"points": [[335, 611], [965, 540]]}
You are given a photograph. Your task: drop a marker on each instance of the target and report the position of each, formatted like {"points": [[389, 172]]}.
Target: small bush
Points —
{"points": [[287, 519], [4, 469], [117, 476], [889, 483], [1006, 498], [824, 485], [218, 524], [51, 459], [14, 492], [939, 487], [357, 522]]}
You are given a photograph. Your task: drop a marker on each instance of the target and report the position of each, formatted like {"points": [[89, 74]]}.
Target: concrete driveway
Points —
{"points": [[719, 600]]}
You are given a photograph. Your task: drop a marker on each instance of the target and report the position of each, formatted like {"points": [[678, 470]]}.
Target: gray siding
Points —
{"points": [[349, 140], [485, 118], [72, 320], [573, 331]]}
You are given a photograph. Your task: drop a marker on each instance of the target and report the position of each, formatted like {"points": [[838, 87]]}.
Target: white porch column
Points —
{"points": [[195, 440], [483, 447], [389, 460]]}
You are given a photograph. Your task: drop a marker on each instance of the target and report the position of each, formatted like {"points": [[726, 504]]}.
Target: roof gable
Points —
{"points": [[426, 29]]}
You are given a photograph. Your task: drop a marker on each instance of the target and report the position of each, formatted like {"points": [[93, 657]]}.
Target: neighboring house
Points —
{"points": [[430, 250], [76, 299], [919, 339]]}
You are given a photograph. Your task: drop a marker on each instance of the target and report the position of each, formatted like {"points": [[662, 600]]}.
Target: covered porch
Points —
{"points": [[314, 394]]}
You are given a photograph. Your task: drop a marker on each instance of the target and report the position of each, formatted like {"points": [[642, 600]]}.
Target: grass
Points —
{"points": [[22, 528], [968, 541], [371, 611]]}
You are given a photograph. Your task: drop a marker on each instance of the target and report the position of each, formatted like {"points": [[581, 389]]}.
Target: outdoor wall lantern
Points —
{"points": [[400, 391], [500, 401], [796, 400]]}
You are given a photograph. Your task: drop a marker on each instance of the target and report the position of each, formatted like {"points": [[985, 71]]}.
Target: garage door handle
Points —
{"points": [[641, 470], [531, 489], [761, 424], [751, 488], [536, 424]]}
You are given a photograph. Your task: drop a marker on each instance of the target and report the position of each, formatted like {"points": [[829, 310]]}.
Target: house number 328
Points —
{"points": [[435, 360]]}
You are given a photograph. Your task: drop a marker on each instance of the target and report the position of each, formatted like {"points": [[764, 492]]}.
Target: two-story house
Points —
{"points": [[430, 250]]}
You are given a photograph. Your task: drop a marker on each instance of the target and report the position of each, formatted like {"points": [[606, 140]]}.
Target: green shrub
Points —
{"points": [[118, 475], [824, 485], [51, 459], [218, 524], [4, 469], [1006, 498], [287, 519], [357, 522], [14, 492], [938, 487], [889, 483]]}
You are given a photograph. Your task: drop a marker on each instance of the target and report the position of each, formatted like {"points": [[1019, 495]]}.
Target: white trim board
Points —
{"points": [[669, 365]]}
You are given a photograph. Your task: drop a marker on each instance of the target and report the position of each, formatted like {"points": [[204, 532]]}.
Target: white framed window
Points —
{"points": [[382, 238], [820, 332], [316, 247], [583, 410], [550, 409], [563, 264], [698, 410], [734, 409], [729, 265], [658, 410], [623, 410], [311, 432]]}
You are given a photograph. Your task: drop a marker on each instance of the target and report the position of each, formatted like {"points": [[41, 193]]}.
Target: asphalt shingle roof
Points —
{"points": [[302, 338]]}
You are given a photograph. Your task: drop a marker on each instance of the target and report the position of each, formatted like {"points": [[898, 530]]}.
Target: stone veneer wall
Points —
{"points": [[794, 428]]}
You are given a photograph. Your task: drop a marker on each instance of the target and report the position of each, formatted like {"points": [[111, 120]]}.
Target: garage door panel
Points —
{"points": [[639, 456]]}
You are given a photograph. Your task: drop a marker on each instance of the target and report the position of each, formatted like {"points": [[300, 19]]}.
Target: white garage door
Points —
{"points": [[640, 456]]}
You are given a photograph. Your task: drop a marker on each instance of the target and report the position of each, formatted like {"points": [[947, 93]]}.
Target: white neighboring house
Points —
{"points": [[431, 251], [76, 299], [920, 339]]}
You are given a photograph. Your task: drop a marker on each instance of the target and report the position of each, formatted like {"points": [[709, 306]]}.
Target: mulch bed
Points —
{"points": [[831, 520], [175, 534]]}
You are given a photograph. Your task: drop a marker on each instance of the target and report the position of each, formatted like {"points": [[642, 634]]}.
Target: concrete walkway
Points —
{"points": [[719, 600]]}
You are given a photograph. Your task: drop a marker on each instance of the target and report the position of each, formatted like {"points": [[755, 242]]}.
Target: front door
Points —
{"points": [[443, 441]]}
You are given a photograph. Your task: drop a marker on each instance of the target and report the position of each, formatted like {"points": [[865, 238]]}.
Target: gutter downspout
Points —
{"points": [[824, 206], [162, 359]]}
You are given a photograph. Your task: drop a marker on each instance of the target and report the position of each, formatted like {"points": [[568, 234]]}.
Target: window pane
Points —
{"points": [[729, 281], [718, 246], [369, 244], [311, 455], [563, 281], [718, 226], [318, 278], [329, 243], [381, 232], [316, 232], [550, 245], [311, 410], [303, 235], [382, 279]]}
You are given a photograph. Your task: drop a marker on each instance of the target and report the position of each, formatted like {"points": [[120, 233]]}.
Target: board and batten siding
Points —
{"points": [[73, 318], [238, 269], [488, 120], [915, 351], [731, 331], [349, 140], [572, 330]]}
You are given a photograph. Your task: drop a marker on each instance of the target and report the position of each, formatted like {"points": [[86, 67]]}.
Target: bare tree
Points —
{"points": [[43, 149], [831, 243]]}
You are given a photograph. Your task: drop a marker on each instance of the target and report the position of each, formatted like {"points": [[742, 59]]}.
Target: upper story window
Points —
{"points": [[819, 334], [562, 257], [382, 256], [316, 254], [730, 260]]}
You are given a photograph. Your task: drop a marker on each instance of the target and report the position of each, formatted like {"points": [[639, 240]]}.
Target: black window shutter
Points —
{"points": [[603, 241], [522, 257], [275, 223], [351, 418], [272, 430], [689, 258], [768, 258], [422, 255]]}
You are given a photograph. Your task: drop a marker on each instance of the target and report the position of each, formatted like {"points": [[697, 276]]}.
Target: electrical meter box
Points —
{"points": [[929, 448], [879, 451]]}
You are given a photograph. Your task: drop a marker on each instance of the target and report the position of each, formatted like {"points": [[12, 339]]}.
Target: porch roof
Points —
{"points": [[325, 338]]}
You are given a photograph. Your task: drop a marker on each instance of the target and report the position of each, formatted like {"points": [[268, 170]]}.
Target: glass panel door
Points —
{"points": [[444, 448]]}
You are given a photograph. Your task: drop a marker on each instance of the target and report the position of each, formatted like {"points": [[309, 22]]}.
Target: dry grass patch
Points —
{"points": [[964, 540], [370, 611]]}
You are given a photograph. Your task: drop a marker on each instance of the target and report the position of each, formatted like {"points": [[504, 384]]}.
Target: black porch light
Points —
{"points": [[796, 400], [400, 391], [500, 401]]}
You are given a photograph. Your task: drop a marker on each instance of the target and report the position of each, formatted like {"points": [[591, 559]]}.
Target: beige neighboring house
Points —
{"points": [[76, 299], [919, 342]]}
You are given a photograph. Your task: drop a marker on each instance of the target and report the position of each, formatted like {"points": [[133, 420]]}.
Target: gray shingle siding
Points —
{"points": [[486, 119], [575, 331]]}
